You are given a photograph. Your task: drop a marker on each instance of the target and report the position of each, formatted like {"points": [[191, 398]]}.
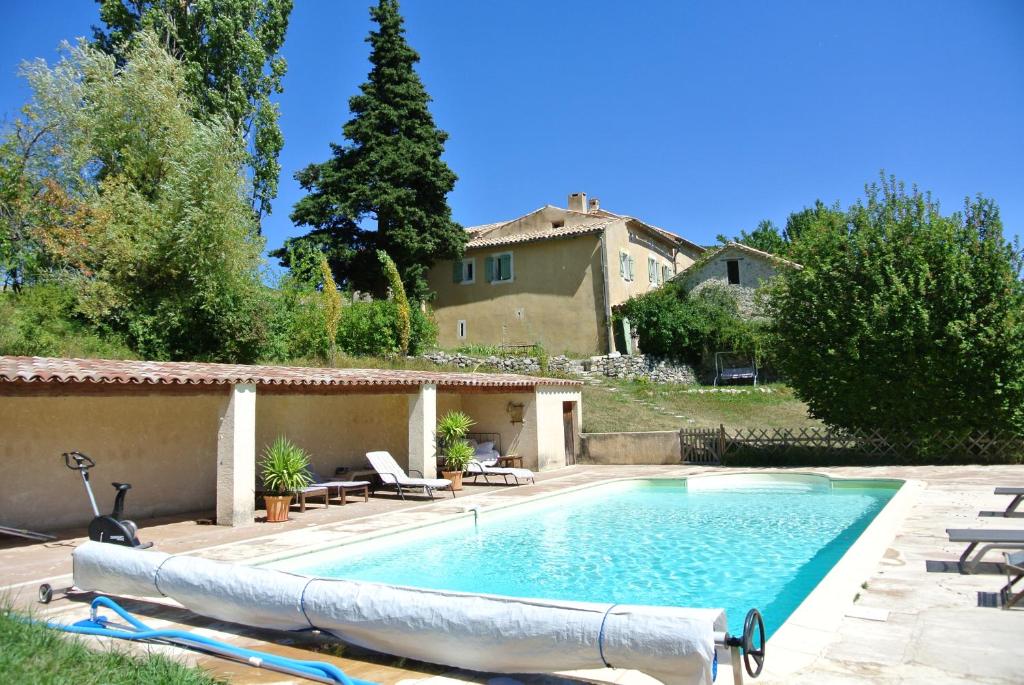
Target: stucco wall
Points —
{"points": [[550, 431], [337, 430], [654, 447], [618, 239], [554, 298], [164, 445]]}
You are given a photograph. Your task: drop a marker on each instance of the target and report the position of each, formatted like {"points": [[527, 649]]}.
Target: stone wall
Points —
{"points": [[628, 367]]}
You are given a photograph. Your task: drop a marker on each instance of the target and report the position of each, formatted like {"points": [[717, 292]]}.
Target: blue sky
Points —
{"points": [[702, 118]]}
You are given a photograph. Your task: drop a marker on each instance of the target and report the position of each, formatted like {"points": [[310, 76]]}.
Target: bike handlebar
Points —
{"points": [[82, 462]]}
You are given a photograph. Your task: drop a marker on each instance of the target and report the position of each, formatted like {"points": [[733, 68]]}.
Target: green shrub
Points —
{"points": [[689, 327], [41, 321], [423, 333], [905, 320]]}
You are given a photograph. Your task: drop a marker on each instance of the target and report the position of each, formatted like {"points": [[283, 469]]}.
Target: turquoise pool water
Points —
{"points": [[757, 543]]}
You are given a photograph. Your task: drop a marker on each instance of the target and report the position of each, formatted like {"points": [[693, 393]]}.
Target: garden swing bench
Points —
{"points": [[729, 367]]}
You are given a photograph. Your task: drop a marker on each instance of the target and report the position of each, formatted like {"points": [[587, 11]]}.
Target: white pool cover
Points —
{"points": [[478, 632]]}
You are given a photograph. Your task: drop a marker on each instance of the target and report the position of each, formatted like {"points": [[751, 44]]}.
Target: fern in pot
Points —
{"points": [[284, 469], [451, 433]]}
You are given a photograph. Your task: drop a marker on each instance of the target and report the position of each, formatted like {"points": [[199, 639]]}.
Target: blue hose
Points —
{"points": [[97, 625]]}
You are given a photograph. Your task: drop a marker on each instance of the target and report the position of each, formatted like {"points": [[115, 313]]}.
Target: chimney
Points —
{"points": [[578, 202], [595, 204]]}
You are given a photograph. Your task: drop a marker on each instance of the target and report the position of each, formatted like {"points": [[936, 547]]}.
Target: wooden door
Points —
{"points": [[569, 428]]}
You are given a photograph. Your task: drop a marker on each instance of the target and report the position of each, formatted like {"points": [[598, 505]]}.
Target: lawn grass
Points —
{"points": [[618, 405], [33, 653]]}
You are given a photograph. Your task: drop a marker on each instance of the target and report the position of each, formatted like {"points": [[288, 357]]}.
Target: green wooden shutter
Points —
{"points": [[632, 268], [622, 264], [489, 269], [505, 267], [652, 270], [457, 271], [666, 274]]}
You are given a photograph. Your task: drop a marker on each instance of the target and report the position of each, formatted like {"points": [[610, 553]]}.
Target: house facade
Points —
{"points": [[737, 268], [552, 277]]}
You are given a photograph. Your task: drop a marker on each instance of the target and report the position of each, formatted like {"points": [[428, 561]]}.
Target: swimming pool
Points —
{"points": [[733, 542]]}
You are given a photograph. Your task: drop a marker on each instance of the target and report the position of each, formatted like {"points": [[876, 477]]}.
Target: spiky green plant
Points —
{"points": [[285, 467], [460, 453]]}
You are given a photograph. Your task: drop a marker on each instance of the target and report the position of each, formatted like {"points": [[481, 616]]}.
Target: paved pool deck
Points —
{"points": [[884, 617]]}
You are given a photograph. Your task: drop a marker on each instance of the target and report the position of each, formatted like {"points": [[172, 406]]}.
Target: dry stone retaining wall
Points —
{"points": [[628, 367]]}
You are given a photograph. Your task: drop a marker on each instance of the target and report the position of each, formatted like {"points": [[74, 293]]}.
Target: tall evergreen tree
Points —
{"points": [[390, 170], [232, 66]]}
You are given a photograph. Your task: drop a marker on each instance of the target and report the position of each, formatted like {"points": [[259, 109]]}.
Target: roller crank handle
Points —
{"points": [[753, 622], [746, 643]]}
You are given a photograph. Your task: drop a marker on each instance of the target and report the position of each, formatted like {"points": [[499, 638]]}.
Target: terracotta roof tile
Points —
{"points": [[530, 236], [52, 370]]}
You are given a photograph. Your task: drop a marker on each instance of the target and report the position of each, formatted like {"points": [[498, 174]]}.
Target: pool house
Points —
{"points": [[188, 436]]}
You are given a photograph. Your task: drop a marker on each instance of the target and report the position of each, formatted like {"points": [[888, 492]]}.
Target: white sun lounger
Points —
{"points": [[392, 475], [476, 468], [990, 538]]}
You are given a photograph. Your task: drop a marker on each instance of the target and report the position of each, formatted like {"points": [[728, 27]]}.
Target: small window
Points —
{"points": [[666, 273], [461, 331], [732, 266], [625, 266], [499, 268], [652, 270], [464, 271]]}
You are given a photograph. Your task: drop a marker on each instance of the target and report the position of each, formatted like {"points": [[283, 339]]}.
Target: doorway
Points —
{"points": [[569, 429]]}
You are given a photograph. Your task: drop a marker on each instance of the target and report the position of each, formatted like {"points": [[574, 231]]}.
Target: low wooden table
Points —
{"points": [[356, 487], [513, 460]]}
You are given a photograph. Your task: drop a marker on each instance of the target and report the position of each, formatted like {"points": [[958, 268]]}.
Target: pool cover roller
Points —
{"points": [[488, 633]]}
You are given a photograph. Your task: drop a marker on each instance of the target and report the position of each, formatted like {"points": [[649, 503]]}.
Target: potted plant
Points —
{"points": [[457, 453], [460, 453], [284, 470]]}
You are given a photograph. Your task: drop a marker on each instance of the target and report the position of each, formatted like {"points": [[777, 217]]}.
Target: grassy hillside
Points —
{"points": [[631, 406]]}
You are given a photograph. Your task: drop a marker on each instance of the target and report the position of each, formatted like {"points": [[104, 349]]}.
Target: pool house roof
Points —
{"points": [[42, 370]]}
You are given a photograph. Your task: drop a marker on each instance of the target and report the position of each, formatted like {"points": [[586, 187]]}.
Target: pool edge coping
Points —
{"points": [[814, 624]]}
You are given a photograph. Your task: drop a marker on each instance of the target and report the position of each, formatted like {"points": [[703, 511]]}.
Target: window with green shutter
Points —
{"points": [[457, 271], [499, 268], [666, 273], [652, 270], [632, 269]]}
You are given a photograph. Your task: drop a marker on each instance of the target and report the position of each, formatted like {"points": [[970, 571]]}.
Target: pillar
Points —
{"points": [[422, 424], [236, 457]]}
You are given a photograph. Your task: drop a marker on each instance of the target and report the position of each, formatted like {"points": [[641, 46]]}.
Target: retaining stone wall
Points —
{"points": [[613, 366]]}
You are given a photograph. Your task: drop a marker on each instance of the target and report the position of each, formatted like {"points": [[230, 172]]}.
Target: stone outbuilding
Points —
{"points": [[187, 436], [738, 268]]}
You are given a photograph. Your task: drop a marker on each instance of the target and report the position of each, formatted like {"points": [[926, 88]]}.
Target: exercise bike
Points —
{"points": [[103, 528], [106, 528]]}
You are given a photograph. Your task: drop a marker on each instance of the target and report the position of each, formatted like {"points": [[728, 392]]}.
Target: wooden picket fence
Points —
{"points": [[777, 445]]}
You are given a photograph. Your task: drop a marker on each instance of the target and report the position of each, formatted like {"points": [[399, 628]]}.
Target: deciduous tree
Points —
{"points": [[904, 319], [230, 49]]}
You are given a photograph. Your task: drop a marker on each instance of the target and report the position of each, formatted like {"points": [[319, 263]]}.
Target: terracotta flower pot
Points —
{"points": [[455, 477], [277, 507]]}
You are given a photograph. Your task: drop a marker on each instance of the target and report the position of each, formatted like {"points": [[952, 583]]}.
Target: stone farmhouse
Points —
{"points": [[552, 277]]}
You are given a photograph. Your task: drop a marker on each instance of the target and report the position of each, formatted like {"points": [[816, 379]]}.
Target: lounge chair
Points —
{"points": [[340, 486], [1018, 497], [392, 475], [477, 468], [1014, 574], [991, 538]]}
